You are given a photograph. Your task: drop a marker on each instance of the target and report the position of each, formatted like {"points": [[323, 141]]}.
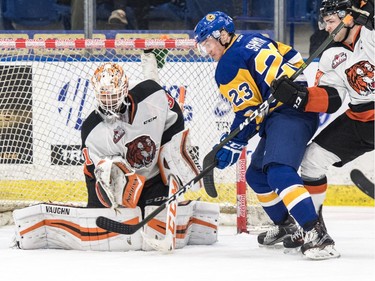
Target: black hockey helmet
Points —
{"points": [[330, 7]]}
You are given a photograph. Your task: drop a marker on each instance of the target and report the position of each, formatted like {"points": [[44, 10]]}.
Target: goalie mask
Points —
{"points": [[211, 26], [111, 87]]}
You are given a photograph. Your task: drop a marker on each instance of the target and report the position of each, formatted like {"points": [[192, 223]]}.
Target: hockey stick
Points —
{"points": [[168, 243], [362, 182], [210, 158], [115, 226]]}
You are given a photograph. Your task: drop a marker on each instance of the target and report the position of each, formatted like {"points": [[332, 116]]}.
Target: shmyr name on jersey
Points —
{"points": [[255, 44]]}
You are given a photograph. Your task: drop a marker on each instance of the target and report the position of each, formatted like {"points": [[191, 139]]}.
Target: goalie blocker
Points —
{"points": [[49, 226]]}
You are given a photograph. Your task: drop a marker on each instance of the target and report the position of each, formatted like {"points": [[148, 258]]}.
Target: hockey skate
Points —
{"points": [[293, 243], [276, 234], [318, 244]]}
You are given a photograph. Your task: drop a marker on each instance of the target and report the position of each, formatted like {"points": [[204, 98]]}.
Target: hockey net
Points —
{"points": [[45, 94]]}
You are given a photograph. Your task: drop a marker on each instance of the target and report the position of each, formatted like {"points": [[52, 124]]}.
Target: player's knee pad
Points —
{"points": [[316, 162], [197, 224], [49, 226]]}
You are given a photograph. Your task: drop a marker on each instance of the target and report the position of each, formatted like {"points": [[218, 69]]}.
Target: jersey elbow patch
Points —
{"points": [[323, 99]]}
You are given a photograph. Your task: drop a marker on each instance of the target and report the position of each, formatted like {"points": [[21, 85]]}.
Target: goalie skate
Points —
{"points": [[318, 244]]}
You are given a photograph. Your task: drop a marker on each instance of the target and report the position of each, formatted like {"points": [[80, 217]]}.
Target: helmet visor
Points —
{"points": [[205, 46]]}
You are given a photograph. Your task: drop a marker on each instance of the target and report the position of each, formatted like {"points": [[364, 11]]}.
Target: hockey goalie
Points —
{"points": [[137, 154]]}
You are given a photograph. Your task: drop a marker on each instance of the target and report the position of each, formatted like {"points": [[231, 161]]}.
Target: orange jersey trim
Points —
{"points": [[316, 189], [318, 100], [364, 116], [86, 171]]}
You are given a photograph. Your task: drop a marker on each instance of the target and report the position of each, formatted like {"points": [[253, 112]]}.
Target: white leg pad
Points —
{"points": [[205, 222], [197, 224], [49, 226]]}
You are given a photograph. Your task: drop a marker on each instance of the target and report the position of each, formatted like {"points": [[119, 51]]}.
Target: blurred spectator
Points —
{"points": [[318, 37], [35, 14], [137, 14], [140, 12], [5, 23], [110, 14]]}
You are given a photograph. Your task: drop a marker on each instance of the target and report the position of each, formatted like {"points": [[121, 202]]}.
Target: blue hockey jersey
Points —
{"points": [[245, 72]]}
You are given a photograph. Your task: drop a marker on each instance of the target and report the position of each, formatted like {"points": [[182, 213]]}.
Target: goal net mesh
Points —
{"points": [[45, 94]]}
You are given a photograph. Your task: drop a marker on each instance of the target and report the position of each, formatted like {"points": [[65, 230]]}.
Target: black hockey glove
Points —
{"points": [[288, 92], [363, 15]]}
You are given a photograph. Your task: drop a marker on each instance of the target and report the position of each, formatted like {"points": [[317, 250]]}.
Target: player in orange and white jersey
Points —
{"points": [[346, 69]]}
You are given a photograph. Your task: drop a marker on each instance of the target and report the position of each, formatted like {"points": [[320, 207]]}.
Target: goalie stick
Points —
{"points": [[362, 182], [210, 158], [168, 243]]}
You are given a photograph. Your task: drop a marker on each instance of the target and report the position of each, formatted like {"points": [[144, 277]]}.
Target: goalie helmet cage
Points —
{"points": [[45, 94]]}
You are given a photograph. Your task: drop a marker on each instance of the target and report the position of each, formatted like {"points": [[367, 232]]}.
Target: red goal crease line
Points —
{"points": [[97, 43]]}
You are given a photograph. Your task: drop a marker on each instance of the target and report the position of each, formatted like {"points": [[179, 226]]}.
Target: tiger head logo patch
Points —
{"points": [[361, 78], [141, 152]]}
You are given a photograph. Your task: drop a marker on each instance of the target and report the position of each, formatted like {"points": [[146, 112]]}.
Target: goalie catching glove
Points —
{"points": [[117, 184], [229, 153], [288, 92]]}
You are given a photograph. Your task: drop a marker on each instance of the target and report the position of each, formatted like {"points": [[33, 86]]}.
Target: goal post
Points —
{"points": [[45, 94]]}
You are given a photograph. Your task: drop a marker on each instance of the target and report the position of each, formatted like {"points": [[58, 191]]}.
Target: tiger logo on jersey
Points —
{"points": [[141, 152], [361, 78]]}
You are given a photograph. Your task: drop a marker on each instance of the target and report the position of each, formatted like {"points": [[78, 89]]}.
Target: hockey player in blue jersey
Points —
{"points": [[246, 66]]}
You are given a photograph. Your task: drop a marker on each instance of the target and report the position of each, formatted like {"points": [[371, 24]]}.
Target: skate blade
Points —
{"points": [[274, 246], [328, 252], [292, 251]]}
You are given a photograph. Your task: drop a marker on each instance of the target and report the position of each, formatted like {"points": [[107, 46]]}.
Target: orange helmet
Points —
{"points": [[111, 87]]}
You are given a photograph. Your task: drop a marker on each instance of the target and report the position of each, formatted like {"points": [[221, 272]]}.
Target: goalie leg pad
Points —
{"points": [[156, 228], [197, 224], [205, 223], [49, 226]]}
